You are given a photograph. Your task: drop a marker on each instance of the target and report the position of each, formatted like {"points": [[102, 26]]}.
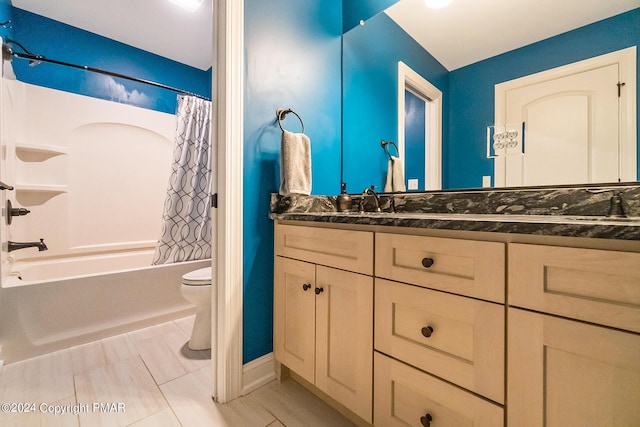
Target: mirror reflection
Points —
{"points": [[477, 70]]}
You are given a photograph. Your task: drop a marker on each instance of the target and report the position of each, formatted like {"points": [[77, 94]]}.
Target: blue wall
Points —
{"points": [[353, 11], [5, 15], [62, 42], [414, 137], [471, 89], [292, 60], [370, 60]]}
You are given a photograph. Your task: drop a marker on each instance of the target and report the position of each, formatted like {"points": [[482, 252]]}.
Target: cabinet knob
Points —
{"points": [[426, 420], [306, 286], [319, 290], [427, 331], [427, 262]]}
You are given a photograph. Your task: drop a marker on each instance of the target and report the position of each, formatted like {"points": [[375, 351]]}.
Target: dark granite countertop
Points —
{"points": [[571, 212]]}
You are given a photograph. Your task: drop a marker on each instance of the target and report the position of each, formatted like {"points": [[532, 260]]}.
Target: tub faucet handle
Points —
{"points": [[4, 186], [11, 212]]}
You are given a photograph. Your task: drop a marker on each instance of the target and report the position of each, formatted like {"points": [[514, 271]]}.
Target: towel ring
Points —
{"points": [[385, 146], [281, 114]]}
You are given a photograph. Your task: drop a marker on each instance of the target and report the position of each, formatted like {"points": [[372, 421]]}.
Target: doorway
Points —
{"points": [[419, 129], [578, 123]]}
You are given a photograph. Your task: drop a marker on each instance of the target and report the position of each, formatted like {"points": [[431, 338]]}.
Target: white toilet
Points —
{"points": [[196, 288]]}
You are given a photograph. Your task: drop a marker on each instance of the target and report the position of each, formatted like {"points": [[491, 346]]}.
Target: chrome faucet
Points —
{"points": [[12, 246], [376, 198]]}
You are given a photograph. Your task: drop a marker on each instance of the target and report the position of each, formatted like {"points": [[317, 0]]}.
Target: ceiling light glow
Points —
{"points": [[190, 5], [437, 4]]}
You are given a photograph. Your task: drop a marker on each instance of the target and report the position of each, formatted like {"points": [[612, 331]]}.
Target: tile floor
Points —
{"points": [[146, 378]]}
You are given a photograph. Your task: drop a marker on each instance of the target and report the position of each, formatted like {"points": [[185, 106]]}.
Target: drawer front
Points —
{"points": [[587, 284], [404, 395], [456, 338], [464, 267], [344, 249]]}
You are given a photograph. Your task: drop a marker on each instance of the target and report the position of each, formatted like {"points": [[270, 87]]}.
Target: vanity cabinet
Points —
{"points": [[437, 351], [563, 371], [323, 314], [516, 329]]}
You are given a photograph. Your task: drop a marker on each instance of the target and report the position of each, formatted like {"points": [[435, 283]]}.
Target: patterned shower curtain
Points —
{"points": [[186, 229]]}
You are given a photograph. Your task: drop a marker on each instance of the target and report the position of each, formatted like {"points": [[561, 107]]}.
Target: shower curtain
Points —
{"points": [[186, 229]]}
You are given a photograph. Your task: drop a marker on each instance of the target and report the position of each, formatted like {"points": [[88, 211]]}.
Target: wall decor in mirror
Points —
{"points": [[473, 54]]}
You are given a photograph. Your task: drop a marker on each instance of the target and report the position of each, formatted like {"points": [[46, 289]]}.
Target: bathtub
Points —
{"points": [[49, 305]]}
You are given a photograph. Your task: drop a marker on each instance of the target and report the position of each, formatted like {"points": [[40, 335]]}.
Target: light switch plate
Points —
{"points": [[412, 184], [486, 181]]}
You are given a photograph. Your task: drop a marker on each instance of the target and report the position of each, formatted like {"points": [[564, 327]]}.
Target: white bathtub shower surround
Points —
{"points": [[93, 173]]}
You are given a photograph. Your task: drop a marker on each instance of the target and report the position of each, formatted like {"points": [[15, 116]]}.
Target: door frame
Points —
{"points": [[627, 144], [226, 301], [409, 79]]}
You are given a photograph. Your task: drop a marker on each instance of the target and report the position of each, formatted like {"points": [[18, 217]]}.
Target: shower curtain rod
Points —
{"points": [[39, 58]]}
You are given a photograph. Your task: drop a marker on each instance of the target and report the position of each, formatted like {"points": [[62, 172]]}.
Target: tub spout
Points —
{"points": [[12, 246]]}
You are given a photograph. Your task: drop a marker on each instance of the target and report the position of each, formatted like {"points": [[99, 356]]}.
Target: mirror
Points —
{"points": [[371, 53]]}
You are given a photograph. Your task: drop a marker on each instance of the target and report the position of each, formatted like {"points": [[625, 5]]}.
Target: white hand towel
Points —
{"points": [[395, 176], [295, 164]]}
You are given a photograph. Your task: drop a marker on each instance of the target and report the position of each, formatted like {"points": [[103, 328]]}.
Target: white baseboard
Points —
{"points": [[257, 373]]}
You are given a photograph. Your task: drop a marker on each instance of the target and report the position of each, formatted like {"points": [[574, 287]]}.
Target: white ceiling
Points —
{"points": [[157, 26], [469, 31], [464, 32]]}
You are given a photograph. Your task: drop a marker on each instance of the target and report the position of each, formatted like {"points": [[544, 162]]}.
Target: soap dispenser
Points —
{"points": [[343, 200]]}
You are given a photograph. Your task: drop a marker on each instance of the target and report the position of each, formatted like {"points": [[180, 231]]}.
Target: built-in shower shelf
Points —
{"points": [[42, 188], [38, 150]]}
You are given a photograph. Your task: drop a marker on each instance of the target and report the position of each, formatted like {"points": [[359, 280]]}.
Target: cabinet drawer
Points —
{"points": [[465, 267], [344, 249], [403, 395], [587, 284], [465, 344]]}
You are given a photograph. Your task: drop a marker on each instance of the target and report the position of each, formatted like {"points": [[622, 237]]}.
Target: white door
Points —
{"points": [[571, 127]]}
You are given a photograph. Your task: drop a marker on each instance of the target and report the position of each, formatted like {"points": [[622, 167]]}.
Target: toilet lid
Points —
{"points": [[197, 277]]}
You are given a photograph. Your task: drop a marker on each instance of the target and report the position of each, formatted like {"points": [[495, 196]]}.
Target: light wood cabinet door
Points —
{"points": [[456, 338], [465, 267], [294, 316], [564, 373], [406, 396], [344, 338], [587, 284]]}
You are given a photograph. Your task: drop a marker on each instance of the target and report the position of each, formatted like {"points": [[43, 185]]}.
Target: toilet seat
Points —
{"points": [[201, 277]]}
